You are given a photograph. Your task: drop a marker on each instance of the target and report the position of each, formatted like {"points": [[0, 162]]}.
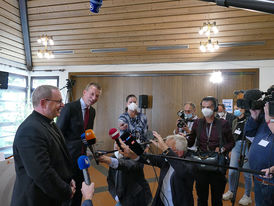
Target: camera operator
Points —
{"points": [[185, 122], [209, 132], [260, 125]]}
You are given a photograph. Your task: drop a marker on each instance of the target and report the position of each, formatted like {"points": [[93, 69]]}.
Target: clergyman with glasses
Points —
{"points": [[42, 162]]}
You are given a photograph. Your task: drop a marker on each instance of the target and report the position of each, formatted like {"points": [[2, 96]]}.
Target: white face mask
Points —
{"points": [[207, 112], [221, 114], [118, 155], [132, 106]]}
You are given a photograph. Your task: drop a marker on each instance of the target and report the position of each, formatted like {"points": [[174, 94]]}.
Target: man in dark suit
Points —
{"points": [[126, 181], [176, 179], [223, 114], [75, 118], [42, 163]]}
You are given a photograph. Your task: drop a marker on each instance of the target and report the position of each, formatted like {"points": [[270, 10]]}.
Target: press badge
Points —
{"points": [[237, 131], [263, 143]]}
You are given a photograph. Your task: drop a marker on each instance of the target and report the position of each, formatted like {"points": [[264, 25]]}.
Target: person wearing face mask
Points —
{"points": [[75, 118], [126, 181], [241, 148], [132, 121], [222, 113], [207, 141], [190, 116]]}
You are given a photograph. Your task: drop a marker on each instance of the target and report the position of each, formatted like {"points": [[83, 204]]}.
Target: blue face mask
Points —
{"points": [[188, 116], [237, 112]]}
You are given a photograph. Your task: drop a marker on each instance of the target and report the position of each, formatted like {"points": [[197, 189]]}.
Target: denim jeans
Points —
{"points": [[264, 194], [118, 204], [234, 162]]}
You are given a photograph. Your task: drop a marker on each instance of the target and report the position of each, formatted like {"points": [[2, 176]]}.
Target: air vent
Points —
{"points": [[108, 50], [150, 48], [249, 43], [63, 52]]}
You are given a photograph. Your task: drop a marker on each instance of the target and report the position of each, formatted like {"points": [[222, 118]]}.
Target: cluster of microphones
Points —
{"points": [[89, 139]]}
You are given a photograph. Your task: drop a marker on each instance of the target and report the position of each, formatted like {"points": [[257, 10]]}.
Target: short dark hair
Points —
{"points": [[222, 105], [129, 96]]}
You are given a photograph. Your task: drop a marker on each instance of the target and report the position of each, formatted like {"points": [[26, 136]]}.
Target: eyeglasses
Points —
{"points": [[57, 101]]}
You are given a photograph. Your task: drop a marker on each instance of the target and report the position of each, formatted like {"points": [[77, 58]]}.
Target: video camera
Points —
{"points": [[183, 121], [70, 83], [255, 99]]}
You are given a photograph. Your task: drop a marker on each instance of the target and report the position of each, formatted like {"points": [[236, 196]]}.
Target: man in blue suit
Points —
{"points": [[75, 118]]}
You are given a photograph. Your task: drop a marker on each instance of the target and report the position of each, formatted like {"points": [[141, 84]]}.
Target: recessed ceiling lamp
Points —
{"points": [[216, 77], [45, 41]]}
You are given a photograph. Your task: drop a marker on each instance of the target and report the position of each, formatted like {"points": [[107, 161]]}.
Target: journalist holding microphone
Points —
{"points": [[176, 177], [133, 121], [42, 162], [260, 125], [75, 118]]}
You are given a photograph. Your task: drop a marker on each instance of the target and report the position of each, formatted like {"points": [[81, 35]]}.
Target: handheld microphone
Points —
{"points": [[83, 164], [129, 140], [114, 134], [99, 153], [89, 139]]}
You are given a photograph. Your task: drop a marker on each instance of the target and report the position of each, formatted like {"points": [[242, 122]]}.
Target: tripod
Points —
{"points": [[242, 158], [69, 85]]}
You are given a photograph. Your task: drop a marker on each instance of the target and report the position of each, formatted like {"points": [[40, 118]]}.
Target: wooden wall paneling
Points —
{"points": [[235, 81]]}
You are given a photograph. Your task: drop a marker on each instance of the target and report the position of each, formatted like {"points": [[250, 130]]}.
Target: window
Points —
{"points": [[38, 81], [13, 110]]}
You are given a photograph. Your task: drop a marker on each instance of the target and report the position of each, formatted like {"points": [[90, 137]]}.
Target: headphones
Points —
{"points": [[212, 99]]}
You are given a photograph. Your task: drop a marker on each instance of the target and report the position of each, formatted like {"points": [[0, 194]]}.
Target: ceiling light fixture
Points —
{"points": [[210, 45], [45, 41]]}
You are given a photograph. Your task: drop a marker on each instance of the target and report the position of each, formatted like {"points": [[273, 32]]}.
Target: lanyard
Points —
{"points": [[208, 133]]}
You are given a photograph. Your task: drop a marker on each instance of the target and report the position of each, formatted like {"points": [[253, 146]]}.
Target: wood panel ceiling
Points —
{"points": [[136, 25]]}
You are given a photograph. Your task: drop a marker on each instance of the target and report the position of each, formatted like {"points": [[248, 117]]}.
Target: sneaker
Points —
{"points": [[245, 200], [228, 195]]}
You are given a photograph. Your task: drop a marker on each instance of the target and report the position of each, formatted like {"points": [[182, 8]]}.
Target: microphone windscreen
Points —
{"points": [[90, 135], [113, 133], [83, 162], [253, 94]]}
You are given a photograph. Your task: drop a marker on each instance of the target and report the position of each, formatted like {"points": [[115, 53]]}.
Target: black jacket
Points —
{"points": [[181, 181], [129, 184], [42, 163], [71, 124]]}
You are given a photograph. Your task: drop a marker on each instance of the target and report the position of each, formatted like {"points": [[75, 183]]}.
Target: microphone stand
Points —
{"points": [[241, 163], [210, 164]]}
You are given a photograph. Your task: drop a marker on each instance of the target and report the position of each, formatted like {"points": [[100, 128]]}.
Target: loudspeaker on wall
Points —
{"points": [[143, 101], [4, 77]]}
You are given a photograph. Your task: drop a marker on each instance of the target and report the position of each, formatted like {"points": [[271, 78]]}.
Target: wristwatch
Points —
{"points": [[166, 151]]}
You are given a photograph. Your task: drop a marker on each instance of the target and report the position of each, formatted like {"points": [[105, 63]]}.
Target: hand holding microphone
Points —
{"points": [[83, 164], [114, 134], [89, 139]]}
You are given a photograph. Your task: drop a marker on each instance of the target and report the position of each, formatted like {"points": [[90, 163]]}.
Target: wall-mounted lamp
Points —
{"points": [[216, 77], [45, 41]]}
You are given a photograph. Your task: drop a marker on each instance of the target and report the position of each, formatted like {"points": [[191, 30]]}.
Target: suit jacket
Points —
{"points": [[181, 180], [42, 163], [129, 184], [71, 124], [229, 117]]}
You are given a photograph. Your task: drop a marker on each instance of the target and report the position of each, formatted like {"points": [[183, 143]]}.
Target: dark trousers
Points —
{"points": [[77, 198], [217, 184]]}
